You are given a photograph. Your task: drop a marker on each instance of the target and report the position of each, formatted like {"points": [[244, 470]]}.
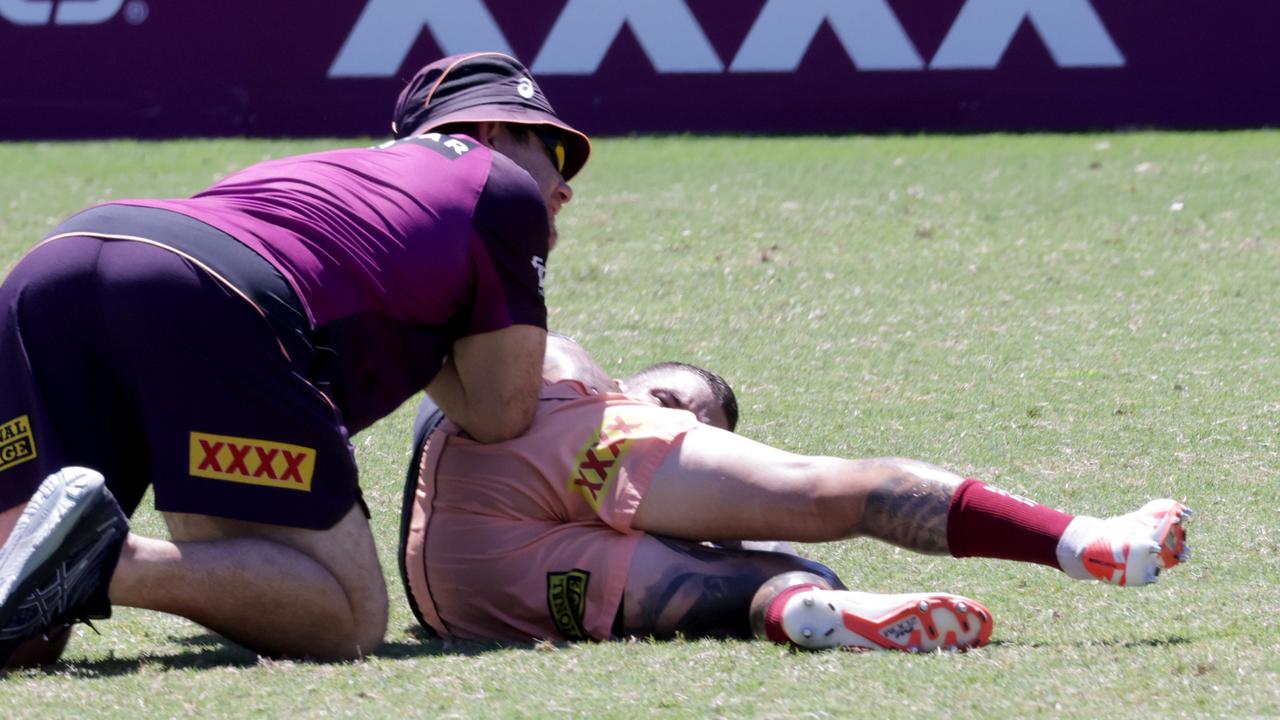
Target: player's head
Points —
{"points": [[686, 387], [488, 87]]}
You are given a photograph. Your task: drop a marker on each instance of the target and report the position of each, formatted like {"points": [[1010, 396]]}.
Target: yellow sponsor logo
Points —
{"points": [[600, 459], [255, 462], [17, 444]]}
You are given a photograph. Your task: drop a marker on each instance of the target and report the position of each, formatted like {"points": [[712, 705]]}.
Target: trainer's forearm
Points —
{"points": [[449, 395], [485, 419], [489, 384]]}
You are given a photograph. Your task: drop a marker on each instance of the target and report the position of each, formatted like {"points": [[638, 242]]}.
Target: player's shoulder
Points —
{"points": [[433, 144], [511, 207], [512, 189]]}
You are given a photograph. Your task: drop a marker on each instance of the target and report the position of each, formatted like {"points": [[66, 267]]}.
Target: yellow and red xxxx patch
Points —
{"points": [[600, 459], [255, 462]]}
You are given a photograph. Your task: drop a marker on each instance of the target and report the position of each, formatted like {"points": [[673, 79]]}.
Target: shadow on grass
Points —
{"points": [[209, 651], [1125, 644], [429, 645]]}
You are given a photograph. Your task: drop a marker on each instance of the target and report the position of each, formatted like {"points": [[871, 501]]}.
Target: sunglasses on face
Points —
{"points": [[554, 144]]}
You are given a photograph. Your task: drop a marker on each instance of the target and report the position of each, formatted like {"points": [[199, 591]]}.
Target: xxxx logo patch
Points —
{"points": [[567, 602], [17, 444], [256, 462], [600, 459]]}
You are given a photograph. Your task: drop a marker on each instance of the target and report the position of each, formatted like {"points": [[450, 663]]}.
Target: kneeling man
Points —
{"points": [[622, 510]]}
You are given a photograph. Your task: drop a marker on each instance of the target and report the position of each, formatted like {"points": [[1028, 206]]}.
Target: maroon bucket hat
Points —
{"points": [[483, 87]]}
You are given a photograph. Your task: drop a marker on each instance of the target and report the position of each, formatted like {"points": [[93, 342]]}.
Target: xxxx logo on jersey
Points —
{"points": [[600, 459], [256, 462], [16, 442]]}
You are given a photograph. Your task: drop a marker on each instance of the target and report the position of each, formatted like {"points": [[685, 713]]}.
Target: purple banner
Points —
{"points": [[97, 68]]}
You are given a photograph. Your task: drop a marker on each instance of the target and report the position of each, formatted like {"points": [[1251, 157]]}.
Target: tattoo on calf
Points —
{"points": [[910, 512], [710, 596]]}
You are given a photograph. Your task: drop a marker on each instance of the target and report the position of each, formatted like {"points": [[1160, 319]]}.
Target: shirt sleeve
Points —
{"points": [[512, 239]]}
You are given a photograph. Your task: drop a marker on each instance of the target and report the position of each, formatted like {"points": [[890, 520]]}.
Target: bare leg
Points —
{"points": [[717, 485], [277, 590], [8, 519], [679, 587]]}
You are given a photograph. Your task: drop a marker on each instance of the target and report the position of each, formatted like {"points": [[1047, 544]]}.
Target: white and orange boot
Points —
{"points": [[815, 618], [1126, 550]]}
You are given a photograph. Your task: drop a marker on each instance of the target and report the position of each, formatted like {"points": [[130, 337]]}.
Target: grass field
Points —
{"points": [[1090, 320]]}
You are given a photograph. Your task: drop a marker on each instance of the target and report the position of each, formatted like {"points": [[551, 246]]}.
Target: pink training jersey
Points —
{"points": [[532, 537], [394, 252]]}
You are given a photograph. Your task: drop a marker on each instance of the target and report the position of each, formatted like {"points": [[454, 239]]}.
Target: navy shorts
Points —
{"points": [[131, 359]]}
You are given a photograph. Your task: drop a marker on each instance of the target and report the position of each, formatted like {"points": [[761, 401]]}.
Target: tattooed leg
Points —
{"points": [[680, 587], [908, 506]]}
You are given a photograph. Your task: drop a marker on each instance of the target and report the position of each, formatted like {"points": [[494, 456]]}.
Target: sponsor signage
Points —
{"points": [[600, 460], [77, 68], [567, 602], [16, 442], [251, 461]]}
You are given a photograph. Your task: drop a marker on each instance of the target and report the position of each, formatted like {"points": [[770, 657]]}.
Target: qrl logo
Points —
{"points": [[255, 462], [674, 42], [71, 12]]}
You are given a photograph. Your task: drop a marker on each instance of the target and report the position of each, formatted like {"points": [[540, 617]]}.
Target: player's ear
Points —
{"points": [[487, 131]]}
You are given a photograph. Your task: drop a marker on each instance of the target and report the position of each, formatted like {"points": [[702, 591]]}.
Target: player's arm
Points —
{"points": [[489, 385]]}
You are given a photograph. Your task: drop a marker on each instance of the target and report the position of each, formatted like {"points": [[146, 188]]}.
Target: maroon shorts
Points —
{"points": [[135, 359]]}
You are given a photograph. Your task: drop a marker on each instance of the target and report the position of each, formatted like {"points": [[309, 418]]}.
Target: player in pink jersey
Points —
{"points": [[593, 525], [222, 349]]}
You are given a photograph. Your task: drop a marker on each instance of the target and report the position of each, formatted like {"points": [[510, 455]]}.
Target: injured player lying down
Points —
{"points": [[591, 525]]}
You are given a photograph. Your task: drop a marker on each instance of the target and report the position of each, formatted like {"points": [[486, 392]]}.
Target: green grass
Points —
{"points": [[1090, 320]]}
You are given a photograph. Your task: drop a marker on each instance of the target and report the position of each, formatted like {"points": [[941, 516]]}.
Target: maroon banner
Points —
{"points": [[99, 68]]}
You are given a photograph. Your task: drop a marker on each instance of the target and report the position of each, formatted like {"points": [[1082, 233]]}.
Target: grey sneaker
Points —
{"points": [[56, 565]]}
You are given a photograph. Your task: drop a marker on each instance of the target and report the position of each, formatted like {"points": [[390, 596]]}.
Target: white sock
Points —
{"points": [[1071, 546]]}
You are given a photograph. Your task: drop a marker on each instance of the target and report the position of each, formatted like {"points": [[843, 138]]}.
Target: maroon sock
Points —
{"points": [[986, 522]]}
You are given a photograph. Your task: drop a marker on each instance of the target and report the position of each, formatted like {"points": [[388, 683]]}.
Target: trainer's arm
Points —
{"points": [[489, 385]]}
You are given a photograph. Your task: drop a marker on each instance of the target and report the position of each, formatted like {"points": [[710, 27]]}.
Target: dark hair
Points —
{"points": [[457, 128], [720, 389], [472, 129]]}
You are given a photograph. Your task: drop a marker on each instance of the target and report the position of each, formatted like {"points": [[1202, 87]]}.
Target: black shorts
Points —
{"points": [[430, 416], [130, 357]]}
